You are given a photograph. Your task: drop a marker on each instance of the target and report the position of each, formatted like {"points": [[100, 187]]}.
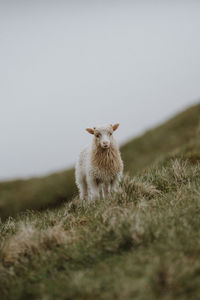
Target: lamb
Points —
{"points": [[99, 166]]}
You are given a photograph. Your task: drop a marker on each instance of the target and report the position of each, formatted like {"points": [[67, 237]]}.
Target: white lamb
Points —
{"points": [[99, 165]]}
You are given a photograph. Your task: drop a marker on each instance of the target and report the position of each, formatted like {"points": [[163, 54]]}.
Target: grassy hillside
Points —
{"points": [[155, 144], [51, 191], [36, 193], [141, 243]]}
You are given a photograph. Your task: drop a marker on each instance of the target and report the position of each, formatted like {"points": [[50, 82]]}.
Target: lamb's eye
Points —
{"points": [[98, 135], [110, 133]]}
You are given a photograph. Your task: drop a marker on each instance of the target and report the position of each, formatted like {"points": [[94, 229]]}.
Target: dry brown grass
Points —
{"points": [[179, 169], [28, 240], [23, 242]]}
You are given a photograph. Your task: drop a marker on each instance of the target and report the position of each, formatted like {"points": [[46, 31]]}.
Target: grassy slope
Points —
{"points": [[142, 243], [40, 193], [36, 193], [155, 144]]}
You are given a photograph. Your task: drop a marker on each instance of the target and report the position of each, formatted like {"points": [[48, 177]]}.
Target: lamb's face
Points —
{"points": [[103, 135]]}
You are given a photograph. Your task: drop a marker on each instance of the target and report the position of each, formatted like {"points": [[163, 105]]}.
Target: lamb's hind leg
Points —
{"points": [[83, 188]]}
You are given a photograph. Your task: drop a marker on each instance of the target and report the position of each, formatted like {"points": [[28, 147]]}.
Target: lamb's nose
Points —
{"points": [[105, 143]]}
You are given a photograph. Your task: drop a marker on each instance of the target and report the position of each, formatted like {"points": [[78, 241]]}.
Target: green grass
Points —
{"points": [[141, 243]]}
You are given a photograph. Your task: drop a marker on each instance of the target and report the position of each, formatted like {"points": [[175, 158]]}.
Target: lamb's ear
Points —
{"points": [[115, 126], [90, 130]]}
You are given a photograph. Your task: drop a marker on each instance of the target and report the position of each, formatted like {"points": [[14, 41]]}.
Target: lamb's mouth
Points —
{"points": [[105, 147]]}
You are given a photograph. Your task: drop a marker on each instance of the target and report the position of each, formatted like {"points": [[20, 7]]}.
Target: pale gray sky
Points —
{"points": [[67, 65]]}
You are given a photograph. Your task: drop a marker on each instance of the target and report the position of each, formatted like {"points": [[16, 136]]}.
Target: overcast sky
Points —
{"points": [[67, 65]]}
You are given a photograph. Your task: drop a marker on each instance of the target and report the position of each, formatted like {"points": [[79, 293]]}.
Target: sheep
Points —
{"points": [[99, 165]]}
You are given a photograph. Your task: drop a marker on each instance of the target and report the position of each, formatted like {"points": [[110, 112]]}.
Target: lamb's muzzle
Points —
{"points": [[99, 165]]}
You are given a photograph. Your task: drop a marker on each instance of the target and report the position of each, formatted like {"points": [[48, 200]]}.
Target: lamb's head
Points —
{"points": [[103, 135]]}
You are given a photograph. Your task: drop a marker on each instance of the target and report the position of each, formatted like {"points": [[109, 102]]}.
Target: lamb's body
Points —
{"points": [[99, 167]]}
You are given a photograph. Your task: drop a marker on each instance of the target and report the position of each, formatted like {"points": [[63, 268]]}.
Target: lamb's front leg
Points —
{"points": [[105, 190], [94, 189]]}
